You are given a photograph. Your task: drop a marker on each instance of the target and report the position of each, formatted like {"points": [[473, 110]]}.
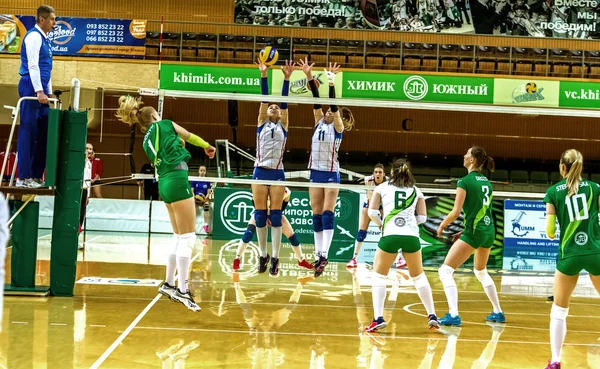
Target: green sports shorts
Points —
{"points": [[575, 264], [479, 239], [174, 186], [393, 243]]}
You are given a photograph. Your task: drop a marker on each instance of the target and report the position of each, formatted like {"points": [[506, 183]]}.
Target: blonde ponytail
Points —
{"points": [[130, 111], [573, 161]]}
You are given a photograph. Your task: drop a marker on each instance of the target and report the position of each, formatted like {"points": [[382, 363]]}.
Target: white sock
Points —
{"points": [[172, 261], [452, 297], [298, 252], [276, 241], [261, 235], [327, 237], [378, 294], [558, 330], [184, 256], [241, 249], [492, 294], [318, 243], [424, 292], [357, 247]]}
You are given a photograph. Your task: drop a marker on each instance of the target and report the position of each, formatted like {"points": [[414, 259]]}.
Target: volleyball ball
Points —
{"points": [[268, 55], [200, 199], [531, 88]]}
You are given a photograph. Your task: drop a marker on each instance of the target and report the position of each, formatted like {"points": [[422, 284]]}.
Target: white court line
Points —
{"points": [[19, 323], [314, 334], [408, 307], [97, 325], [57, 324], [135, 322]]}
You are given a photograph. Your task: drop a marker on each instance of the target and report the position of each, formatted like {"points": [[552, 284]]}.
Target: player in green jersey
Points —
{"points": [[164, 147], [574, 202], [474, 197]]}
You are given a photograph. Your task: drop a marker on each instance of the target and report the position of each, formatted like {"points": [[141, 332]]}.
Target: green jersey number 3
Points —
{"points": [[486, 195], [577, 207]]}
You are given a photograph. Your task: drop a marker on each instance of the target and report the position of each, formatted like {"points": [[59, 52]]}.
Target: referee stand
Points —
{"points": [[65, 160]]}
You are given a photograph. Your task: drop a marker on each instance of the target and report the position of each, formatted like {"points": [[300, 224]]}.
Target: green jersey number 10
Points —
{"points": [[577, 207]]}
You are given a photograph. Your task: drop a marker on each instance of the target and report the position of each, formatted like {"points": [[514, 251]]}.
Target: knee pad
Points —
{"points": [[174, 244], [483, 277], [328, 219], [294, 240], [260, 216], [420, 281], [446, 273], [318, 222], [186, 245], [558, 312], [275, 217], [249, 233], [362, 234]]}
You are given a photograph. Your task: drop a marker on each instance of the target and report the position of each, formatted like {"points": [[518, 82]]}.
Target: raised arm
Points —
{"points": [[334, 69], [307, 69], [194, 140], [264, 88], [287, 72]]}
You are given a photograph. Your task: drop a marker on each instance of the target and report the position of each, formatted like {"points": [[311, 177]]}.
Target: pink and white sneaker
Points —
{"points": [[552, 365], [352, 263], [205, 229], [400, 263]]}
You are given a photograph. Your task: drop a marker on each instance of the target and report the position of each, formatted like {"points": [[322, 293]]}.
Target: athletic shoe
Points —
{"points": [[274, 269], [400, 263], [262, 263], [305, 264], [352, 263], [376, 325], [21, 183], [31, 183], [550, 298], [187, 299], [205, 229], [496, 318], [553, 365], [449, 320], [432, 322], [236, 264], [321, 267], [167, 290]]}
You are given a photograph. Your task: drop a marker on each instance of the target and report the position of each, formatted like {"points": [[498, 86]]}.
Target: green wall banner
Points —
{"points": [[430, 88], [526, 92], [201, 78], [389, 86], [579, 95]]}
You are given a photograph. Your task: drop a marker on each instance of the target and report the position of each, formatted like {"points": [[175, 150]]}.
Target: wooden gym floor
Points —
{"points": [[117, 320]]}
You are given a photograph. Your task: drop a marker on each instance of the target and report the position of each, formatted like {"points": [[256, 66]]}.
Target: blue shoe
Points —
{"points": [[449, 320], [496, 318]]}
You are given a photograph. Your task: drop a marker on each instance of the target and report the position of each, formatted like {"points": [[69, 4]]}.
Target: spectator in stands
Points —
{"points": [[97, 170], [4, 236], [35, 71], [202, 195], [150, 185]]}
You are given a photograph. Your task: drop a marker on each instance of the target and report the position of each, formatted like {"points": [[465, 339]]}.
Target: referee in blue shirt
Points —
{"points": [[35, 71]]}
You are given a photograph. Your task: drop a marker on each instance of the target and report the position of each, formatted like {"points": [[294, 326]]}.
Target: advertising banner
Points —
{"points": [[428, 88], [584, 95], [233, 210], [98, 37], [525, 92], [575, 19], [202, 78], [526, 246]]}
